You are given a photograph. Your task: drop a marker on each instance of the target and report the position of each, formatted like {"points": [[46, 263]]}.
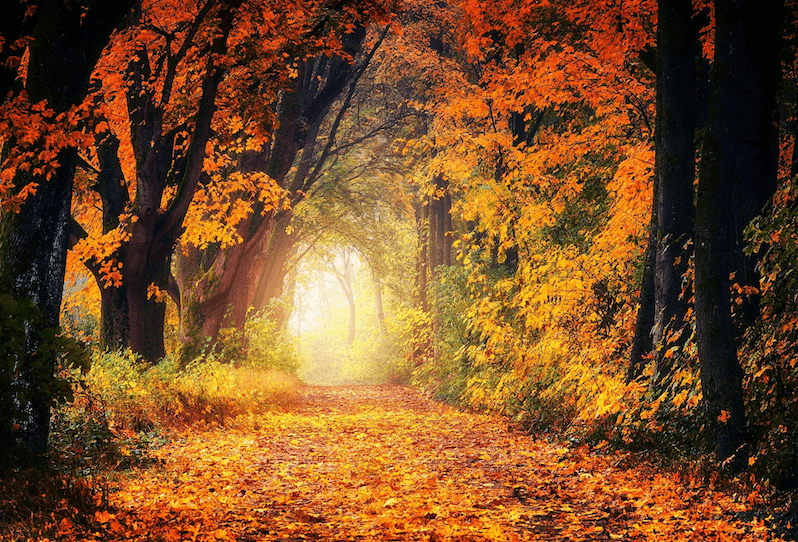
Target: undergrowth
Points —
{"points": [[120, 410]]}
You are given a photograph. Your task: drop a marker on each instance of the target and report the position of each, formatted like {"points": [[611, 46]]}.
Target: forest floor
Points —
{"points": [[385, 463]]}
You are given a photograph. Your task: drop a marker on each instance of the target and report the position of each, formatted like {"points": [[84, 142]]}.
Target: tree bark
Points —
{"points": [[677, 44], [270, 282], [133, 318], [33, 242], [439, 238], [422, 260], [736, 155]]}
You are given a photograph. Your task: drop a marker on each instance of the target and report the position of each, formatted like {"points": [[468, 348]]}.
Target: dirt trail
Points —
{"points": [[384, 463]]}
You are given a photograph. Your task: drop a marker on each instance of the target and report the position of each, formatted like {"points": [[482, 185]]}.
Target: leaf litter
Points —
{"points": [[386, 463]]}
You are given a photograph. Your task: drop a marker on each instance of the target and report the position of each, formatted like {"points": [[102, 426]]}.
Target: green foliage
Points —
{"points": [[584, 213], [229, 346], [769, 352], [445, 370], [666, 418], [269, 347], [31, 355]]}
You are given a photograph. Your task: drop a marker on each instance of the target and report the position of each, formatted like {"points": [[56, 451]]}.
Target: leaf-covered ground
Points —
{"points": [[384, 463]]}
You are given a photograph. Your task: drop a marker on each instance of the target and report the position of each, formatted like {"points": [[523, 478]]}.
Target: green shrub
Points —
{"points": [[31, 358], [269, 347], [123, 406]]}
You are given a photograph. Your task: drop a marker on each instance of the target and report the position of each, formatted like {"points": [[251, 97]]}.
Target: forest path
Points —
{"points": [[385, 463]]}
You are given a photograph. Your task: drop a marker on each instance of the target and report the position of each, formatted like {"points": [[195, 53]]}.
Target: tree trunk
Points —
{"points": [[378, 302], [145, 257], [110, 184], [756, 181], [736, 154], [422, 260], [448, 231], [642, 343], [439, 238], [33, 243], [251, 274], [146, 314], [114, 314], [345, 279], [271, 278], [677, 43]]}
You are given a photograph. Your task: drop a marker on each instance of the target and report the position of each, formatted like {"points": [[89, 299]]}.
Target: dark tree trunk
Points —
{"points": [[677, 44], [422, 260], [756, 181], [134, 317], [736, 155], [33, 243], [642, 343], [14, 24], [114, 323], [271, 280], [448, 231], [440, 237]]}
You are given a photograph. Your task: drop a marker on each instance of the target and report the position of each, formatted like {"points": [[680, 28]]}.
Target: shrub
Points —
{"points": [[269, 347], [30, 355], [123, 405]]}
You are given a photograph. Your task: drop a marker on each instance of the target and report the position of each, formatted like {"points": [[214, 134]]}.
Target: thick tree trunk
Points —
{"points": [[114, 314], [33, 246], [272, 272], [33, 243], [758, 152], [146, 256], [114, 318], [198, 272], [218, 286], [147, 314], [735, 155], [677, 44]]}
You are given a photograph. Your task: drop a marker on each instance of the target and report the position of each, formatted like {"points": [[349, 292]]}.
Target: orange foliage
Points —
{"points": [[34, 136], [572, 200]]}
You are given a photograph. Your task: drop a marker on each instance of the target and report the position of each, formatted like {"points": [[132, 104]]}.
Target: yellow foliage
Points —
{"points": [[138, 396]]}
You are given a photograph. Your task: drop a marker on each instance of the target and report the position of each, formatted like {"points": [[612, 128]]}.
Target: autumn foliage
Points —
{"points": [[474, 198], [377, 463]]}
